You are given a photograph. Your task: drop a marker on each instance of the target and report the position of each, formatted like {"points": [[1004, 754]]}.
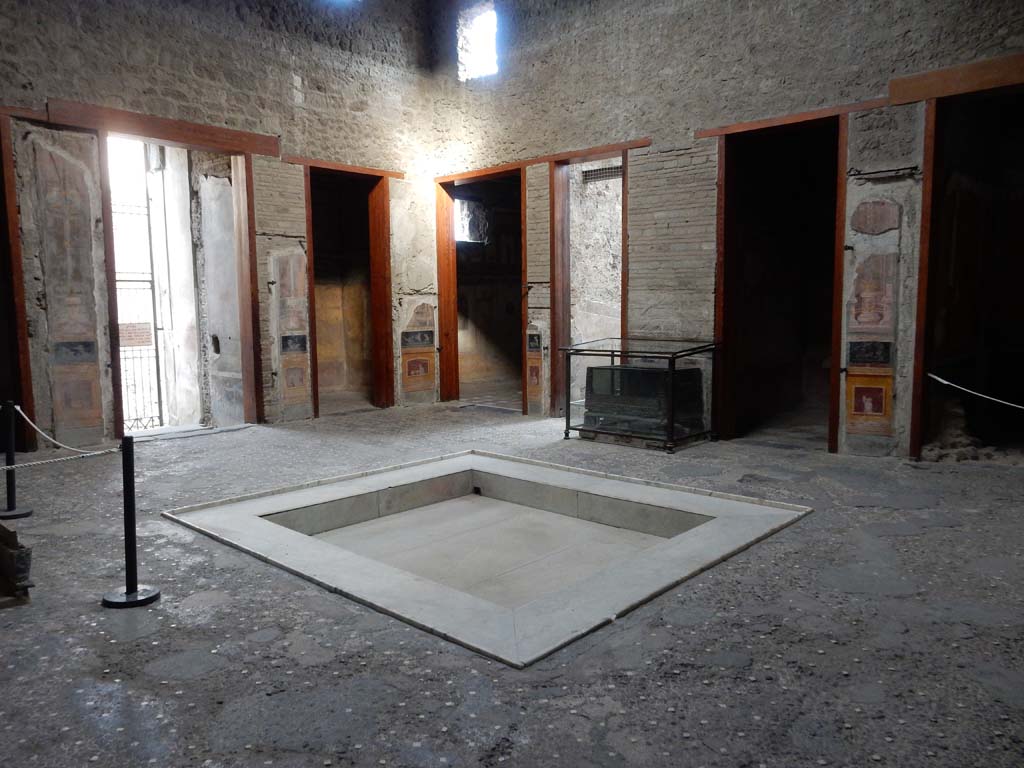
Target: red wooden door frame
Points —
{"points": [[723, 415], [448, 281], [382, 344]]}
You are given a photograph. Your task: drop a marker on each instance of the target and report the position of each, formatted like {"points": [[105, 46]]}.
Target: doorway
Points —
{"points": [[488, 245], [341, 285], [173, 217], [11, 374], [348, 231], [776, 302], [974, 313]]}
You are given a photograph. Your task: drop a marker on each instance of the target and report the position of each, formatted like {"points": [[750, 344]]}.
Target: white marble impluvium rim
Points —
{"points": [[516, 636]]}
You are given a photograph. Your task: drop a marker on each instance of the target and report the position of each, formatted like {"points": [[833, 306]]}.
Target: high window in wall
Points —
{"points": [[478, 41]]}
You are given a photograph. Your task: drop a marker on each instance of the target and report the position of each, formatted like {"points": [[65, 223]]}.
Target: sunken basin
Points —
{"points": [[509, 557]]}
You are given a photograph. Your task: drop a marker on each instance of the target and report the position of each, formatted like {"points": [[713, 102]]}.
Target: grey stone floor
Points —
{"points": [[884, 629]]}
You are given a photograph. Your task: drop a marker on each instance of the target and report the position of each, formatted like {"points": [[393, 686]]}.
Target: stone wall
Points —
{"points": [[582, 73], [332, 79], [374, 84]]}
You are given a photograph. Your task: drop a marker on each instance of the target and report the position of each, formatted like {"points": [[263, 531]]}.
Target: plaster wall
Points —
{"points": [[57, 176], [595, 262], [883, 211], [175, 285], [216, 237], [414, 284], [283, 289]]}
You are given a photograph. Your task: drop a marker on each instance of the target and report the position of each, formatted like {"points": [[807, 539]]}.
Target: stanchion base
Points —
{"points": [[121, 599], [14, 514]]}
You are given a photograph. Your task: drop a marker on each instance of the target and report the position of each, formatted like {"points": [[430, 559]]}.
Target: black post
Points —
{"points": [[670, 442], [11, 512], [133, 594], [568, 392]]}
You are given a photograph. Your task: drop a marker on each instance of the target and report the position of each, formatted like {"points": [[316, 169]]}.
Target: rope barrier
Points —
{"points": [[39, 463], [44, 435], [133, 594], [976, 394]]}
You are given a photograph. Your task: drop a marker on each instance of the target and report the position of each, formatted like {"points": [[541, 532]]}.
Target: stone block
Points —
{"points": [[337, 513], [529, 494], [430, 491], [644, 518]]}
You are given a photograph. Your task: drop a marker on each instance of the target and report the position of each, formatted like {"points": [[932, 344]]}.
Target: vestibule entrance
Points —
{"points": [[775, 313]]}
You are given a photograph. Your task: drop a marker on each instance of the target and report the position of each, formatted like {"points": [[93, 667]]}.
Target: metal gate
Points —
{"points": [[136, 308]]}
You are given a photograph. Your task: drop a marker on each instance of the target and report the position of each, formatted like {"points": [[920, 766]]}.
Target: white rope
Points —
{"points": [[46, 436], [972, 392], [14, 467]]}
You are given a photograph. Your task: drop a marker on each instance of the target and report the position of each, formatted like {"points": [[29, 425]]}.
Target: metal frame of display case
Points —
{"points": [[639, 347]]}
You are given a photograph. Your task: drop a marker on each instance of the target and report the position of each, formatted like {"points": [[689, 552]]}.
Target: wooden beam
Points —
{"points": [[602, 152], [175, 133], [111, 276], [26, 397], [380, 295], [798, 117], [24, 113], [314, 363], [835, 379], [968, 78], [492, 172], [332, 166], [248, 289], [924, 258], [558, 190], [447, 297]]}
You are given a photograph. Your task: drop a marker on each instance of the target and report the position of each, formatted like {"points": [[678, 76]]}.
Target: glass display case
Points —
{"points": [[655, 392]]}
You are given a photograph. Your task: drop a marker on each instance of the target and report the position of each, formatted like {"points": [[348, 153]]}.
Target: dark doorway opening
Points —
{"points": [[488, 255], [975, 271], [780, 187], [340, 204], [10, 372]]}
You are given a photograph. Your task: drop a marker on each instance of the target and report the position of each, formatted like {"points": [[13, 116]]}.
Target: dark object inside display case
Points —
{"points": [[634, 399], [646, 390]]}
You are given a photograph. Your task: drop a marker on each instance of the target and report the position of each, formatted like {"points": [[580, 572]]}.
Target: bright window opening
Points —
{"points": [[467, 222], [478, 41]]}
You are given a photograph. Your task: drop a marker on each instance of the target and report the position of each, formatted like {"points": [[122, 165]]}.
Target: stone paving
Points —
{"points": [[883, 629]]}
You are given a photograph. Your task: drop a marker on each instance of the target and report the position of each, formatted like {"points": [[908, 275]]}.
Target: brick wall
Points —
{"points": [[672, 218], [538, 264]]}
